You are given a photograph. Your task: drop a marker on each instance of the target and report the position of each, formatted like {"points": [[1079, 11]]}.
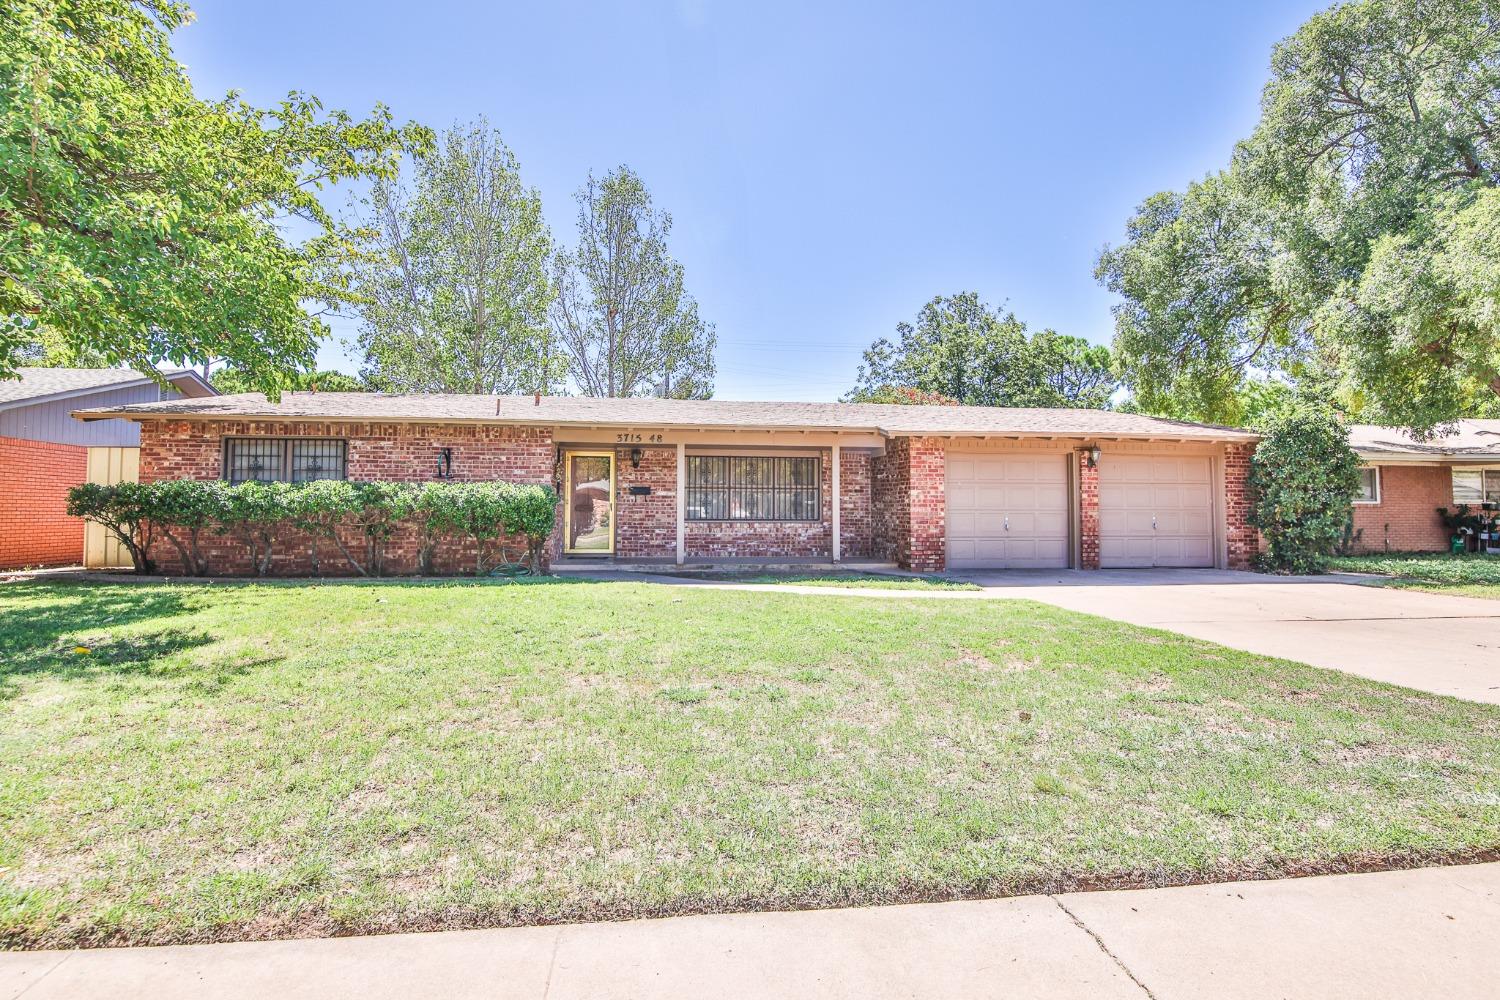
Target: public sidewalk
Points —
{"points": [[1424, 933]]}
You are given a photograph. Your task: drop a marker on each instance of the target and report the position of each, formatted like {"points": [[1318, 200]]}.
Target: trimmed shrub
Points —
{"points": [[1304, 477], [258, 514], [254, 513], [125, 510], [181, 509], [486, 512]]}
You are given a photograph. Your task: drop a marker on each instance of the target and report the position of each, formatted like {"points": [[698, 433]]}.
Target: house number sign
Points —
{"points": [[639, 438]]}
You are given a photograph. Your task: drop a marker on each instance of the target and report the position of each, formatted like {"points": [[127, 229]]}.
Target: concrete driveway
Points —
{"points": [[1432, 642]]}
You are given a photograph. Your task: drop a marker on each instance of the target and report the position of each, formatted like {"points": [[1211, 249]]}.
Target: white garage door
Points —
{"points": [[1155, 511], [1007, 511]]}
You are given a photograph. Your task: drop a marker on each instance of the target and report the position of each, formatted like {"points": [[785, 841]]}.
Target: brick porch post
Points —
{"points": [[1088, 512]]}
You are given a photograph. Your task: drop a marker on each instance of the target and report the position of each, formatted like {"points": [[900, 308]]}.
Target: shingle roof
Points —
{"points": [[39, 383], [651, 412], [1472, 439]]}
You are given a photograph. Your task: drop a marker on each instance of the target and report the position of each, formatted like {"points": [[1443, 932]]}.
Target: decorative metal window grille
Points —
{"points": [[753, 488], [288, 460]]}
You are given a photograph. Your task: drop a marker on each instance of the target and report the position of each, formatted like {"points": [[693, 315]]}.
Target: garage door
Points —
{"points": [[1155, 511], [1007, 511]]}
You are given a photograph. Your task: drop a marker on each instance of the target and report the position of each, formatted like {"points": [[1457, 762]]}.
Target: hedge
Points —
{"points": [[259, 514]]}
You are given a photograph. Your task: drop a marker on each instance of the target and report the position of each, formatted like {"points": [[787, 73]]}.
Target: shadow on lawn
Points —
{"points": [[49, 635]]}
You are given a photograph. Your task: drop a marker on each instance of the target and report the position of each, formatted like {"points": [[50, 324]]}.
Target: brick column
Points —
{"points": [[928, 500], [1088, 512], [1242, 539]]}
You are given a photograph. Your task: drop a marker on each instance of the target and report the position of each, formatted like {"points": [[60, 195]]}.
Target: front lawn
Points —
{"points": [[1471, 574], [207, 762]]}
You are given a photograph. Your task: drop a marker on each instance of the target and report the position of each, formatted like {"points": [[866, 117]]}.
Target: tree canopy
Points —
{"points": [[140, 223], [963, 350], [1354, 235], [231, 380], [622, 316], [453, 283]]}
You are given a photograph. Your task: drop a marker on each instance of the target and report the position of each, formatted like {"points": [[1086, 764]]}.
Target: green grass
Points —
{"points": [[865, 581], [233, 761], [1471, 575]]}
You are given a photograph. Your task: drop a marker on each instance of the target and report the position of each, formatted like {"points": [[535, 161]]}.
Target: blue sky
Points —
{"points": [[829, 167]]}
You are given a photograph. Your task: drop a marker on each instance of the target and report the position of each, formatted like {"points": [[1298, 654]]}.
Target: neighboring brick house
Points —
{"points": [[1405, 481], [694, 481], [43, 452]]}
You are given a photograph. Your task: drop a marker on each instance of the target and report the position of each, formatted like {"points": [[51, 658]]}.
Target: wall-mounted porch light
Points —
{"points": [[635, 458], [1092, 456], [445, 463]]}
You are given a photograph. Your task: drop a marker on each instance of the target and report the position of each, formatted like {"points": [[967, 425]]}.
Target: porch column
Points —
{"points": [[681, 502], [837, 549]]}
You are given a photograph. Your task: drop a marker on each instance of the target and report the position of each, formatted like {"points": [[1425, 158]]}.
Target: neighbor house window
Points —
{"points": [[1475, 486], [753, 488], [1369, 485], [287, 460]]}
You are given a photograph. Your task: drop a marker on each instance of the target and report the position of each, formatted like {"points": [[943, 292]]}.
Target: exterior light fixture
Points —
{"points": [[1093, 456], [635, 458], [445, 463]]}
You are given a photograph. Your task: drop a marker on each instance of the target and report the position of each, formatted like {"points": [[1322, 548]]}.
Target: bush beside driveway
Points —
{"points": [[210, 762]]}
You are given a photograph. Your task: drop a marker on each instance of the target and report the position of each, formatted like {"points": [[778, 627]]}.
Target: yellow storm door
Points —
{"points": [[589, 517]]}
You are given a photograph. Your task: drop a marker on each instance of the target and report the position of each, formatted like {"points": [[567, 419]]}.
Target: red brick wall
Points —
{"points": [[1242, 538], [35, 529], [400, 452], [856, 516], [646, 526], [1405, 519], [910, 504], [768, 539], [890, 515], [1088, 512]]}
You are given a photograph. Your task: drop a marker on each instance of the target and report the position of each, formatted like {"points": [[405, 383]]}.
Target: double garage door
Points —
{"points": [[1013, 511]]}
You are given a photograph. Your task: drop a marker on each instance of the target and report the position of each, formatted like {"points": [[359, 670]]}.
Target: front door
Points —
{"points": [[590, 513]]}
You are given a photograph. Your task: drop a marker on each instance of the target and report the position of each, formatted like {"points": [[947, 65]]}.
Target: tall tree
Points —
{"points": [[1357, 231], [961, 349], [453, 285], [139, 223], [621, 316]]}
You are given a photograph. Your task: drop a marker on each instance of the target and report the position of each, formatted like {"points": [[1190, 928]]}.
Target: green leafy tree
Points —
{"points": [[963, 350], [1303, 476], [622, 318], [231, 380], [454, 284], [140, 223], [1357, 231]]}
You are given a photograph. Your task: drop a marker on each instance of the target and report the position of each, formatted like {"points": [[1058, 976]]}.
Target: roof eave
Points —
{"points": [[1215, 434]]}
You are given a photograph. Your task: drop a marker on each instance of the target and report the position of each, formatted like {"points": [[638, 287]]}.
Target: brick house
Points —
{"points": [[1405, 481], [683, 481], [43, 452]]}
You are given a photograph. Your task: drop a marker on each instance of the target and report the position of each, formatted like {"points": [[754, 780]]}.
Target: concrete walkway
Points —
{"points": [[1440, 643], [1430, 932]]}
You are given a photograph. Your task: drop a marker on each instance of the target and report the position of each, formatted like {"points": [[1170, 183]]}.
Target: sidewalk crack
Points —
{"points": [[552, 963], [51, 969], [1103, 947]]}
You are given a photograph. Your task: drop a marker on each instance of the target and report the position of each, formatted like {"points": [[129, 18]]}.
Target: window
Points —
{"points": [[288, 460], [752, 488], [1369, 485], [1475, 486]]}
